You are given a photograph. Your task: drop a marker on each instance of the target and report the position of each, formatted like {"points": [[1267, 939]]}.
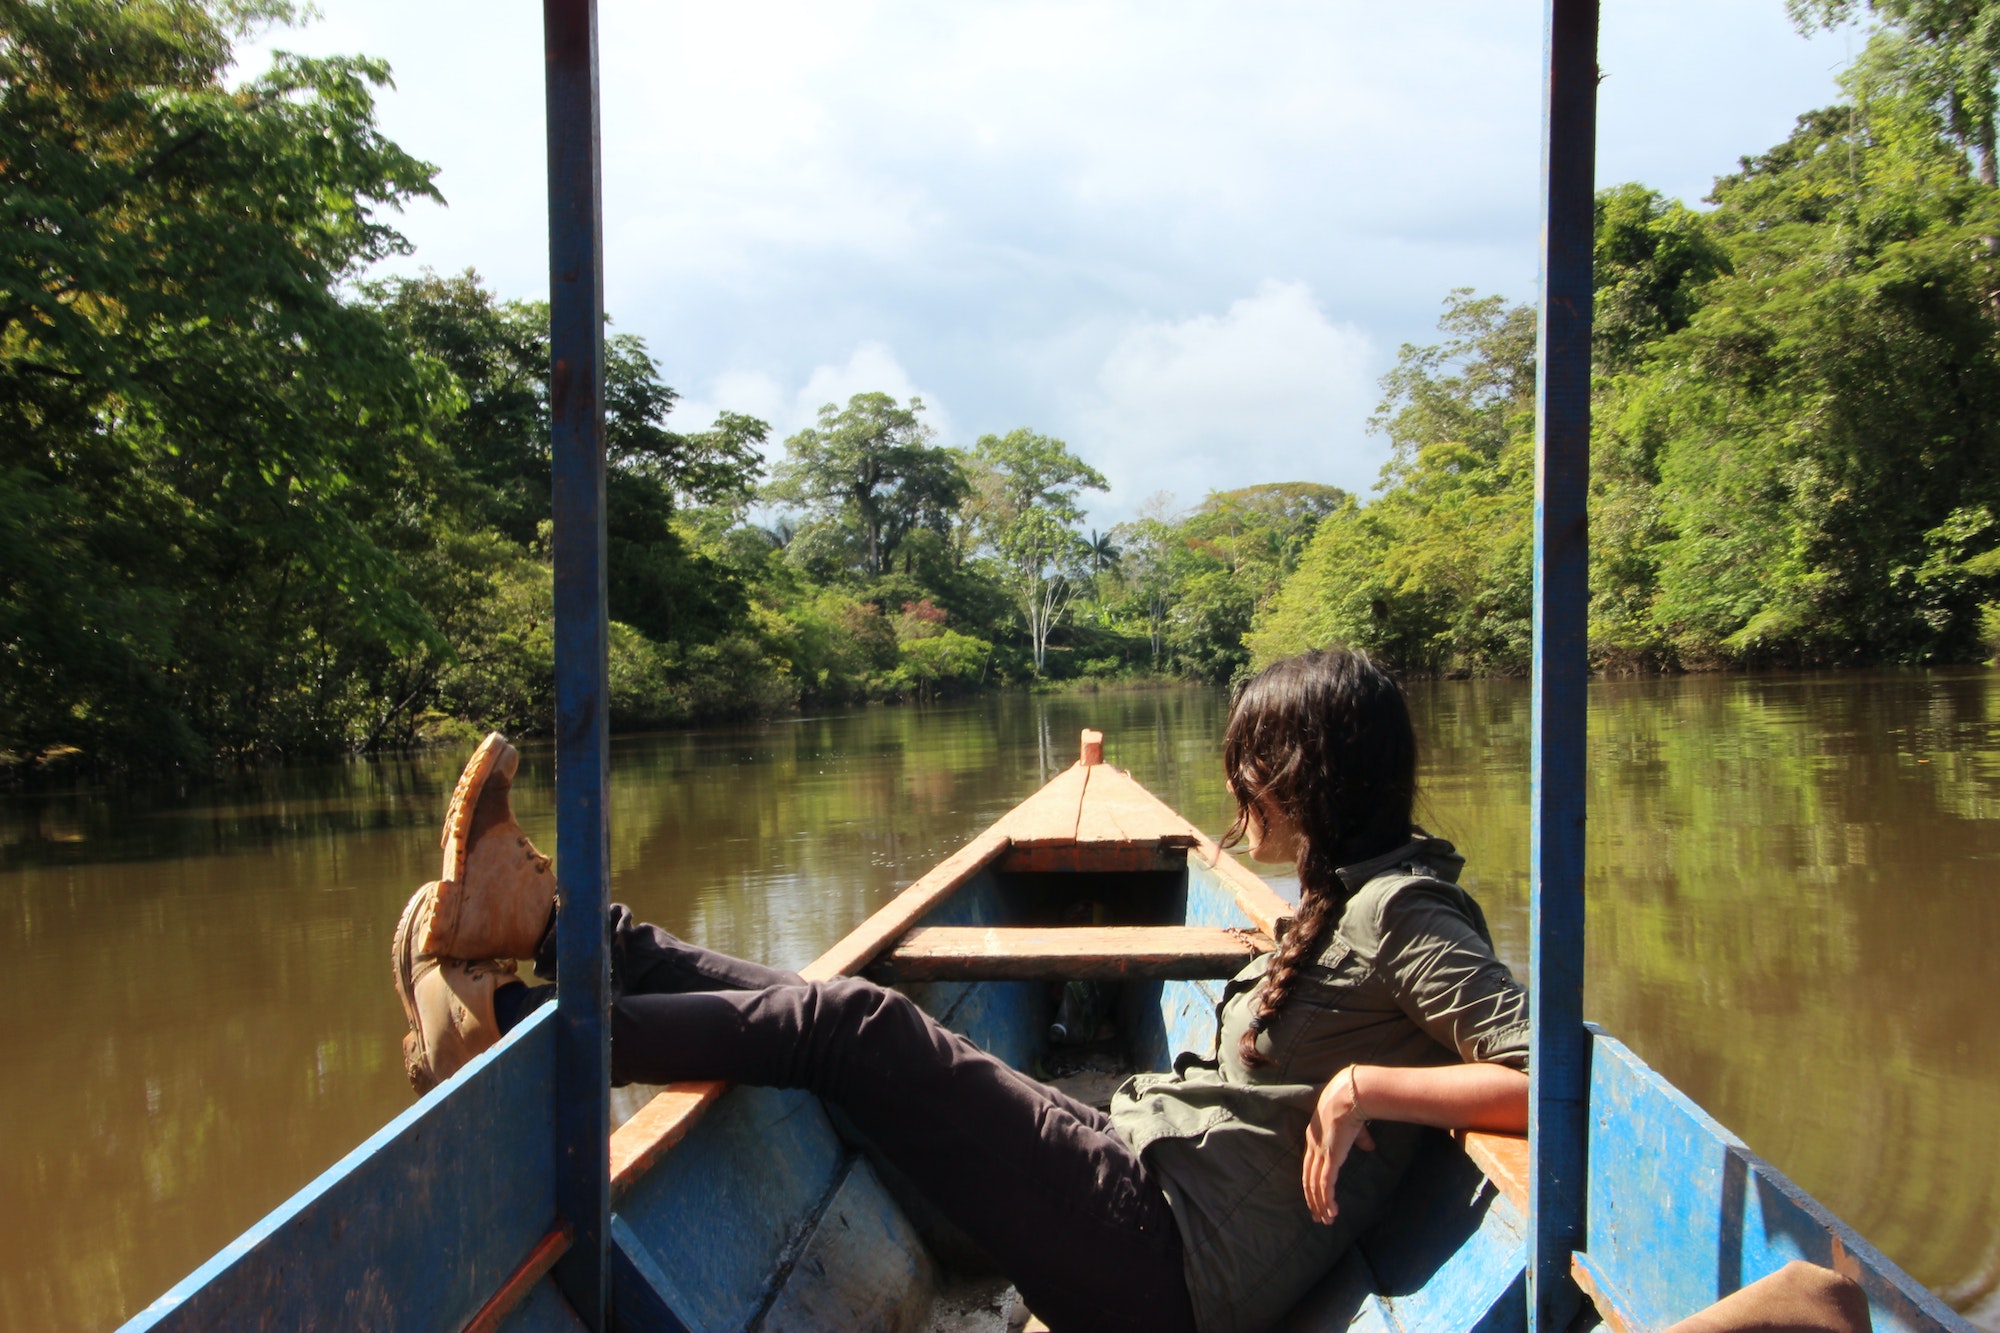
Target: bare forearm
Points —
{"points": [[1466, 1096]]}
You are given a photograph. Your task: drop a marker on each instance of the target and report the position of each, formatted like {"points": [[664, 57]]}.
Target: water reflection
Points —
{"points": [[1790, 918]]}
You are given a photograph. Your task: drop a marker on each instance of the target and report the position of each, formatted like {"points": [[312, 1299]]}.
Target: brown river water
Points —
{"points": [[1794, 912]]}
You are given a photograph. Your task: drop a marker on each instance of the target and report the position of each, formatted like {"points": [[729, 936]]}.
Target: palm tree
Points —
{"points": [[1100, 552]]}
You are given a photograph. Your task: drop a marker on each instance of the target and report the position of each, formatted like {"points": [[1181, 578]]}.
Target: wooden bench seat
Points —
{"points": [[1068, 953], [1504, 1159]]}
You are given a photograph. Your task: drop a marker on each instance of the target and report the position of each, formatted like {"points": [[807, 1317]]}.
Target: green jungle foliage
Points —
{"points": [[254, 502], [1796, 448]]}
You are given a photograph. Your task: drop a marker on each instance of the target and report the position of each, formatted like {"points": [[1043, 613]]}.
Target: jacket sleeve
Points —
{"points": [[1444, 975]]}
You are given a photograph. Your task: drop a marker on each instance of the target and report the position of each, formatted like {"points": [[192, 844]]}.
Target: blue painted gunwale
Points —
{"points": [[1682, 1212], [414, 1229]]}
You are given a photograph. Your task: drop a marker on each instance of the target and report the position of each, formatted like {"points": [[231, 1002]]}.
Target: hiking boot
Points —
{"points": [[447, 1001], [495, 892]]}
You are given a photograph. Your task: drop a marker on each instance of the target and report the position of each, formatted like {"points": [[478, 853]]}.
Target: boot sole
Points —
{"points": [[456, 840], [403, 968]]}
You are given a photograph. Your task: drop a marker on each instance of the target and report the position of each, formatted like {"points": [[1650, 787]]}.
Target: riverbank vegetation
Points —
{"points": [[255, 501], [1796, 447]]}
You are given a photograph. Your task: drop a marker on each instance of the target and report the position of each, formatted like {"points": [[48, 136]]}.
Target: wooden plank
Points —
{"points": [[582, 1115], [1049, 816], [516, 1288], [1504, 1159], [1680, 1212], [1096, 858], [639, 1143], [415, 1228], [1116, 809], [1594, 1284], [1085, 953]]}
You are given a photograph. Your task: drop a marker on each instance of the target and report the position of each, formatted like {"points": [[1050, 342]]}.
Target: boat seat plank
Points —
{"points": [[1078, 953], [1504, 1159]]}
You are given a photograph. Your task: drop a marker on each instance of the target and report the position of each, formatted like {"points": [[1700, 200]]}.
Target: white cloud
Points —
{"points": [[870, 367], [1031, 201], [1268, 390]]}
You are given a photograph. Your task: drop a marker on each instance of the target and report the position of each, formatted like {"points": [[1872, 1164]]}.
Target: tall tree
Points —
{"points": [[866, 477], [1026, 508], [190, 415], [1951, 56], [495, 423]]}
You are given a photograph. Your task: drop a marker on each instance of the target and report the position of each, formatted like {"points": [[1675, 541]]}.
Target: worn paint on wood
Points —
{"points": [[1215, 897], [1448, 1254], [415, 1228], [863, 1269], [1007, 1019], [722, 1217], [1681, 1213], [641, 1295], [1090, 953], [1254, 901], [1093, 748], [583, 813], [1560, 670]]}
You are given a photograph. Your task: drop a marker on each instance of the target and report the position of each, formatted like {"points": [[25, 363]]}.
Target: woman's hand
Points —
{"points": [[1337, 1127], [1465, 1096]]}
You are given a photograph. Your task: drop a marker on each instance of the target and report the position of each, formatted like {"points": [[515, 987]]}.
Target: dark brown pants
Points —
{"points": [[1063, 1205]]}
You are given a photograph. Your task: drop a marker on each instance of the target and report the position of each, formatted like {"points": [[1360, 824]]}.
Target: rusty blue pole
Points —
{"points": [[1559, 1061], [583, 817]]}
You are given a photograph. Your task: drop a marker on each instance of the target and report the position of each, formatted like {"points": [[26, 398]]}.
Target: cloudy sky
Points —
{"points": [[1185, 237]]}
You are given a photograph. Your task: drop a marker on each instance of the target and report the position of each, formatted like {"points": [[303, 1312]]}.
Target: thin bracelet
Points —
{"points": [[1354, 1091]]}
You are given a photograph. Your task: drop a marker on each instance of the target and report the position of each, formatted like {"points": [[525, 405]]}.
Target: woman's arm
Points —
{"points": [[1462, 1096]]}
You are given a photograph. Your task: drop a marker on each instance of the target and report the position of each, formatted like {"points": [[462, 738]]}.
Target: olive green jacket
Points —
{"points": [[1407, 978]]}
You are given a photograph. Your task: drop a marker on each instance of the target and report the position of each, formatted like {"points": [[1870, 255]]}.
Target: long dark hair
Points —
{"points": [[1323, 739]]}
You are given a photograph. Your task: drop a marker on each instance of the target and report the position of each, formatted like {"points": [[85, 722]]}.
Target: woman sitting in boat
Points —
{"points": [[1210, 1198]]}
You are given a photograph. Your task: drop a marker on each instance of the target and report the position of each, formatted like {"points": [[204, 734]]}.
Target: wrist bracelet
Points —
{"points": [[1354, 1090]]}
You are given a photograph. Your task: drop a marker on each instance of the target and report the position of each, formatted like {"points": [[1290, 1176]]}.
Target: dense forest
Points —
{"points": [[256, 500]]}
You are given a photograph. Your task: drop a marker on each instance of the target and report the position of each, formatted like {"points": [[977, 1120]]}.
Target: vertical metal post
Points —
{"points": [[1559, 1062], [576, 401]]}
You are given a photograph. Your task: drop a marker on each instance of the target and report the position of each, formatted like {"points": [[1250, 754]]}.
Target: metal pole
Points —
{"points": [[576, 402], [1560, 1060]]}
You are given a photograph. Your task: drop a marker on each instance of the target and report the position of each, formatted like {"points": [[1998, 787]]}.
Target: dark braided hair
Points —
{"points": [[1325, 740]]}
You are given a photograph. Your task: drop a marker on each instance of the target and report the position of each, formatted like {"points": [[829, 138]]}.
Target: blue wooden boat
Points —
{"points": [[752, 1209], [504, 1200]]}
